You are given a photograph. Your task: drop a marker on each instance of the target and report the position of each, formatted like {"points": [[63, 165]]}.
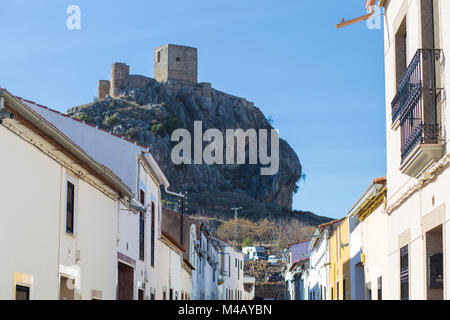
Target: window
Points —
{"points": [[400, 51], [404, 273], [332, 294], [159, 56], [380, 288], [142, 197], [164, 295], [171, 294], [22, 292], [152, 253], [368, 291], [141, 236], [178, 59], [343, 289], [140, 294], [142, 227], [70, 207]]}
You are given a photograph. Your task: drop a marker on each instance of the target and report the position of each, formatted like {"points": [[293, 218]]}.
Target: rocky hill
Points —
{"points": [[150, 112]]}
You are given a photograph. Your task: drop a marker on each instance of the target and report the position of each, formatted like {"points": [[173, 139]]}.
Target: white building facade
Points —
{"points": [[65, 230], [317, 278], [140, 228], [417, 40], [231, 273]]}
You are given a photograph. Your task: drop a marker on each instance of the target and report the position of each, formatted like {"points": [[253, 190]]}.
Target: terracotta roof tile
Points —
{"points": [[172, 240]]}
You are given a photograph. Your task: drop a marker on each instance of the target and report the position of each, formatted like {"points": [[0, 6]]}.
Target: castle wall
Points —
{"points": [[136, 81]]}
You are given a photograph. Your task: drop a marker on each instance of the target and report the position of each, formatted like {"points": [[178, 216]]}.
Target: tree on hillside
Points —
{"points": [[263, 230], [247, 242], [292, 231], [235, 230]]}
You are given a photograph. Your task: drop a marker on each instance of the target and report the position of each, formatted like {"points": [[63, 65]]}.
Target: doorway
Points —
{"points": [[66, 289], [126, 281], [435, 264]]}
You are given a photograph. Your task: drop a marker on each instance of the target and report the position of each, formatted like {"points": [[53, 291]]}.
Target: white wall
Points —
{"points": [[121, 156], [317, 276], [169, 271], [30, 194], [410, 215], [33, 194], [357, 282], [374, 237], [234, 280]]}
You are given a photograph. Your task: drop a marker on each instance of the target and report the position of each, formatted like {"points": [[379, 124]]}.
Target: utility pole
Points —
{"points": [[182, 205], [235, 221]]}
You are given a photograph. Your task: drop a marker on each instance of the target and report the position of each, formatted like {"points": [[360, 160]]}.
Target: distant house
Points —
{"points": [[339, 258], [368, 247], [296, 271], [374, 240], [231, 272], [317, 277], [254, 253], [170, 265]]}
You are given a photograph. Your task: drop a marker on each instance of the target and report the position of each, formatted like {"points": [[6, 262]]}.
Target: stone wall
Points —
{"points": [[270, 290]]}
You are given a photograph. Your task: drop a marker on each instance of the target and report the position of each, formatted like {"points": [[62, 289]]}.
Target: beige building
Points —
{"points": [[417, 39], [370, 212], [60, 209]]}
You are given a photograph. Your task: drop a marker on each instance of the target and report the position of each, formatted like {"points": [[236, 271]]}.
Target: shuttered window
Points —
{"points": [[70, 206]]}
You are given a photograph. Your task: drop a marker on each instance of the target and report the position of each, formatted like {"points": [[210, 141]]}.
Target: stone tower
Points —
{"points": [[119, 73], [176, 64]]}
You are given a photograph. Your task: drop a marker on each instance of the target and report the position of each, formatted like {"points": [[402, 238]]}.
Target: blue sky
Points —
{"points": [[324, 88]]}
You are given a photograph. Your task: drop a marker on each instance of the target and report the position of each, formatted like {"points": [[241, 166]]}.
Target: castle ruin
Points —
{"points": [[175, 66]]}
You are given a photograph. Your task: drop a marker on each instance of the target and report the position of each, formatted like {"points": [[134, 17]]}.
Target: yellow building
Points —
{"points": [[339, 268]]}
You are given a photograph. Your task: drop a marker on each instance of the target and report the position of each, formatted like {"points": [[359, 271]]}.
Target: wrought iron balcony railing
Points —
{"points": [[415, 105]]}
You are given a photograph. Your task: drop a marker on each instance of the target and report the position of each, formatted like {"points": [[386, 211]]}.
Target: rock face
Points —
{"points": [[151, 111]]}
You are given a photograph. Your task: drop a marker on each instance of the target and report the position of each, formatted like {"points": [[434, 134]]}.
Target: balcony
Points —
{"points": [[416, 110]]}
